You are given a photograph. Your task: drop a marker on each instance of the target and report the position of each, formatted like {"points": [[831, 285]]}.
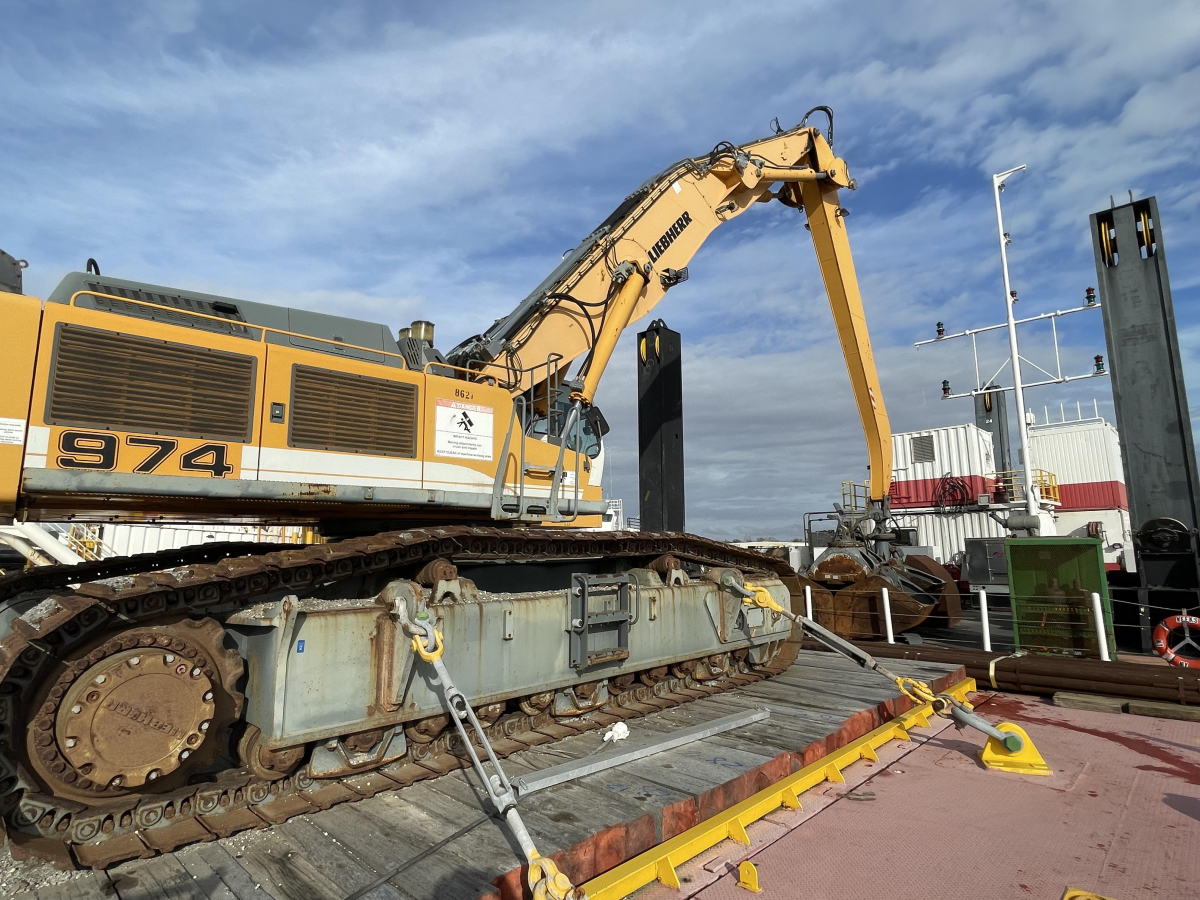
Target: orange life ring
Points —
{"points": [[1162, 632]]}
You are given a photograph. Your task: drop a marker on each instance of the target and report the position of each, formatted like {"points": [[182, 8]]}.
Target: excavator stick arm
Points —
{"points": [[827, 222]]}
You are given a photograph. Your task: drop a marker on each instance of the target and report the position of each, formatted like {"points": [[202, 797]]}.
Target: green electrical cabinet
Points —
{"points": [[1051, 581]]}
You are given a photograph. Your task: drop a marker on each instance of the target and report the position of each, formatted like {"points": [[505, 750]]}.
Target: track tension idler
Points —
{"points": [[1008, 747], [546, 882]]}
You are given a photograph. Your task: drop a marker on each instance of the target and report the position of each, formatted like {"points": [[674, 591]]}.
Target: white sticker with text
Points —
{"points": [[12, 431], [463, 430]]}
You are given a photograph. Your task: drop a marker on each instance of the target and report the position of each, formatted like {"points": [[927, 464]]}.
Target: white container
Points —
{"points": [[1085, 455], [795, 552], [961, 451], [1116, 528], [947, 533]]}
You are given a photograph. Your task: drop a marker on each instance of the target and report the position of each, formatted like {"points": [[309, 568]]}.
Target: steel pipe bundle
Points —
{"points": [[1047, 674]]}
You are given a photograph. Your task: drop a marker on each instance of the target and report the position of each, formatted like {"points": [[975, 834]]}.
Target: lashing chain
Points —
{"points": [[918, 691], [546, 882]]}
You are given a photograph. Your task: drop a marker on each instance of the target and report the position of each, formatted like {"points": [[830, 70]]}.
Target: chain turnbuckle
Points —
{"points": [[545, 880]]}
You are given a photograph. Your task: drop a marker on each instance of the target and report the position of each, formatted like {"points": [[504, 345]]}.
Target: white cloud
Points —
{"points": [[435, 163]]}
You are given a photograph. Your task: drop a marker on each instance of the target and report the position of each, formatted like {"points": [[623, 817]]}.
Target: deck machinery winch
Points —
{"points": [[153, 701]]}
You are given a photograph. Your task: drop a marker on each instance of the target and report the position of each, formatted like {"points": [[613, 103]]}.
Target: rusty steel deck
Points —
{"points": [[821, 703]]}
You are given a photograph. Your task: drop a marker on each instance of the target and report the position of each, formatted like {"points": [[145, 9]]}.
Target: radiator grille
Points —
{"points": [[352, 413], [121, 382]]}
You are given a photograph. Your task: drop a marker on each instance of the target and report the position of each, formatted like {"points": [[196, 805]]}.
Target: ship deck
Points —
{"points": [[588, 826]]}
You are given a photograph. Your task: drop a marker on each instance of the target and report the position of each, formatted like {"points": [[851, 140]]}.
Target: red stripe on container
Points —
{"points": [[920, 491], [1094, 495]]}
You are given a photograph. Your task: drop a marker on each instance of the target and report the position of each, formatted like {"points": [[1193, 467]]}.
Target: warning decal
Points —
{"points": [[463, 430], [12, 431]]}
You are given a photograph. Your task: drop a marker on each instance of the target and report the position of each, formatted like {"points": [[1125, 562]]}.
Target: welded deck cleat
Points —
{"points": [[748, 877], [1025, 760]]}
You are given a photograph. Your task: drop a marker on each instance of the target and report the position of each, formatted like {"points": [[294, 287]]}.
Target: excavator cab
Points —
{"points": [[587, 439]]}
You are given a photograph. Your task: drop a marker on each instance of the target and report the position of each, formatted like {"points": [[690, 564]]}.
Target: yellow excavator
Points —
{"points": [[152, 701]]}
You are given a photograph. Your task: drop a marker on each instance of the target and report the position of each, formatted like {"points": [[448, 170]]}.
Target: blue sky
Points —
{"points": [[402, 161]]}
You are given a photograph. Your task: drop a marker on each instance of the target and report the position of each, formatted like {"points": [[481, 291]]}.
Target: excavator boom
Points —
{"points": [[624, 268]]}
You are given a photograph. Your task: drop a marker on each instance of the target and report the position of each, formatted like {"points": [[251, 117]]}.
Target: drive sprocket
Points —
{"points": [[136, 711]]}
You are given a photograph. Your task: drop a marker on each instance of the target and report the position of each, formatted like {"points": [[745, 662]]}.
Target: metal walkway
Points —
{"points": [[589, 826]]}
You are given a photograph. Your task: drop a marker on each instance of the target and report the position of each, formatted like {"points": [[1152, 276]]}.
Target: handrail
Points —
{"points": [[552, 360], [1045, 481], [498, 483], [264, 328], [574, 419], [445, 365], [855, 496]]}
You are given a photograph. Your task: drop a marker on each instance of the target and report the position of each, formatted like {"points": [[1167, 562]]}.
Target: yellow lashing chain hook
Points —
{"points": [[762, 597], [428, 655], [916, 691], [547, 883]]}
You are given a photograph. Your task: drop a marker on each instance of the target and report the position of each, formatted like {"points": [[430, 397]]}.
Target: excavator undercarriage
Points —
{"points": [[130, 725]]}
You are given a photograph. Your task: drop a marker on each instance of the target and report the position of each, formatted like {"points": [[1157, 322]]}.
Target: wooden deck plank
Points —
{"points": [[335, 859], [841, 701], [92, 886], [326, 855], [696, 768], [779, 723], [542, 828], [208, 880], [394, 827], [218, 859], [278, 867], [160, 878], [793, 715]]}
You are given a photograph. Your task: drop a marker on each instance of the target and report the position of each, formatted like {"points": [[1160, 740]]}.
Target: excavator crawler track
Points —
{"points": [[87, 628]]}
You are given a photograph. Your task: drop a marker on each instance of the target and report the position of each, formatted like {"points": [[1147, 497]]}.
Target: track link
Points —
{"points": [[73, 834]]}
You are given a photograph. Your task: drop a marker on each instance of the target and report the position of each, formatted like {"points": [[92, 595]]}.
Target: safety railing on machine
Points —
{"points": [[1009, 485], [514, 503], [855, 496]]}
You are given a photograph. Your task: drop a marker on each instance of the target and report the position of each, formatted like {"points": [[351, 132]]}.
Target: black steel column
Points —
{"points": [[991, 414], [1151, 408], [660, 429], [1143, 357]]}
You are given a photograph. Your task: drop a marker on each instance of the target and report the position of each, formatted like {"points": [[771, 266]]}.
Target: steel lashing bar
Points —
{"points": [[917, 691]]}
